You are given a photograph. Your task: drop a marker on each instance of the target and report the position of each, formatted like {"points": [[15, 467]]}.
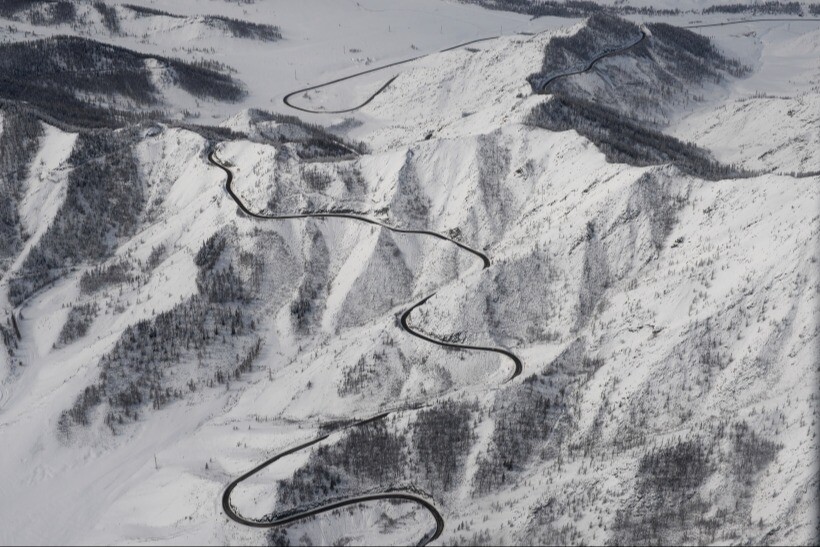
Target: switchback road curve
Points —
{"points": [[279, 520], [400, 495], [287, 518], [287, 98], [229, 188]]}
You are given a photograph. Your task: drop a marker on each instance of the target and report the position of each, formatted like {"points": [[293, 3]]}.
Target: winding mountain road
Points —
{"points": [[401, 495], [282, 519], [519, 367], [229, 188], [592, 63], [287, 98]]}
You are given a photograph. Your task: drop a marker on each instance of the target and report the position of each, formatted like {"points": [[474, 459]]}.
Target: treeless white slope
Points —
{"points": [[769, 120]]}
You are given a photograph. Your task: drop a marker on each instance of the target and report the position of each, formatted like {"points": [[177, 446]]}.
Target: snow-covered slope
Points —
{"points": [[667, 324]]}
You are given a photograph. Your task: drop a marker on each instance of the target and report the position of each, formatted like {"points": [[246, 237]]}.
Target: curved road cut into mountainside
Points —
{"points": [[280, 520], [293, 517], [400, 495], [287, 98], [589, 66]]}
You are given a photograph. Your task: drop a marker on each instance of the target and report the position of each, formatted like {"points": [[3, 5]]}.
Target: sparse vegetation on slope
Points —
{"points": [[207, 328], [314, 140], [104, 199]]}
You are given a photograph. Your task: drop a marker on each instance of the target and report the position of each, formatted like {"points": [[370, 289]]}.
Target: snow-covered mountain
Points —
{"points": [[650, 226]]}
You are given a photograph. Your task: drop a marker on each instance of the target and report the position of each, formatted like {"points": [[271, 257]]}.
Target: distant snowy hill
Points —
{"points": [[640, 237]]}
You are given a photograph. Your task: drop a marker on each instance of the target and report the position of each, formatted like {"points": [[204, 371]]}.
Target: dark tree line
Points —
{"points": [[532, 418], [209, 253], [144, 11], [77, 324], [752, 452], [669, 506], [234, 27], [547, 8], [655, 198], [9, 334], [19, 143], [210, 132], [442, 437], [39, 12], [681, 465], [10, 8], [692, 56], [667, 486], [49, 73], [566, 8], [757, 8], [156, 257], [602, 33], [74, 64], [673, 64], [221, 286], [244, 29], [372, 456], [56, 13], [363, 374], [679, 58], [100, 277], [306, 309], [140, 368], [522, 422], [217, 279], [134, 372], [316, 141], [687, 56], [626, 141], [110, 18], [316, 180]]}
